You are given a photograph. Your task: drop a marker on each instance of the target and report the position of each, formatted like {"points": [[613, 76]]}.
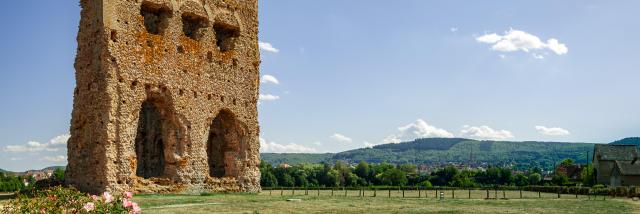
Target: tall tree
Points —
{"points": [[534, 179], [362, 170]]}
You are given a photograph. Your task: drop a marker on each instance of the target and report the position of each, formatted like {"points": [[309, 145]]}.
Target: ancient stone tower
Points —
{"points": [[166, 97]]}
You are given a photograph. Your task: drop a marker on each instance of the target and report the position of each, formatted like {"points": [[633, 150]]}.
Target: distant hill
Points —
{"points": [[628, 141], [295, 158], [447, 150], [51, 168], [54, 168]]}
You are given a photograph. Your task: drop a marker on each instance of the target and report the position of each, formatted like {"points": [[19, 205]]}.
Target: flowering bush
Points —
{"points": [[65, 200]]}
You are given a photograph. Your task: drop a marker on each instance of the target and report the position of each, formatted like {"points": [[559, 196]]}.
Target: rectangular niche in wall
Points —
{"points": [[156, 17], [226, 36]]}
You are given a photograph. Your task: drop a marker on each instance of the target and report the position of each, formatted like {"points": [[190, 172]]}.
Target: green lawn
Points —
{"points": [[264, 203]]}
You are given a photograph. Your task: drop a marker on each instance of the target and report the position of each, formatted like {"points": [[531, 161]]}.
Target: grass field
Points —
{"points": [[275, 203]]}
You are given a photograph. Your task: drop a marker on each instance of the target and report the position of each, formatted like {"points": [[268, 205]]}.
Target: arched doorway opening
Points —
{"points": [[155, 135], [227, 139]]}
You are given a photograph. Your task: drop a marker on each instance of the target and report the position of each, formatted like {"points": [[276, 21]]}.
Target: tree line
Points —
{"points": [[364, 174], [11, 183]]}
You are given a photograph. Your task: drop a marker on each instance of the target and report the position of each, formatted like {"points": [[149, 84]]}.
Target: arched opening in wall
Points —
{"points": [[152, 140], [227, 141]]}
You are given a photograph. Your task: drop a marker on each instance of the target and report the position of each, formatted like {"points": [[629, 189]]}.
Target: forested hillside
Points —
{"points": [[446, 150], [295, 158], [628, 141]]}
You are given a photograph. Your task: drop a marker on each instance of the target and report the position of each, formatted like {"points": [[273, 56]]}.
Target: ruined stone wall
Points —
{"points": [[166, 97]]}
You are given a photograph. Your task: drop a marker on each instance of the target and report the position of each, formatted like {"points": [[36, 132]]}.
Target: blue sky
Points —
{"points": [[357, 73]]}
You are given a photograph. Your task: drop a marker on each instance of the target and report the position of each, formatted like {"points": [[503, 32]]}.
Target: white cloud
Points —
{"points": [[272, 147], [537, 56], [419, 129], [269, 79], [267, 47], [15, 159], [268, 97], [557, 47], [59, 158], [453, 29], [554, 131], [516, 40], [485, 133], [60, 140], [341, 138], [368, 145], [489, 38], [55, 144]]}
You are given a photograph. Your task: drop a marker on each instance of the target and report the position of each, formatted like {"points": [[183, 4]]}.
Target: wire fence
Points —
{"points": [[496, 193]]}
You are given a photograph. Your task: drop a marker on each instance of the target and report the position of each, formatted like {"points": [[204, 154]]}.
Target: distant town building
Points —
{"points": [[284, 165], [616, 165]]}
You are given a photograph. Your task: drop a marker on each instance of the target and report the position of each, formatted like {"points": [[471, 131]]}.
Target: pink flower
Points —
{"points": [[126, 203], [94, 197], [128, 195], [107, 197], [89, 207], [136, 208]]}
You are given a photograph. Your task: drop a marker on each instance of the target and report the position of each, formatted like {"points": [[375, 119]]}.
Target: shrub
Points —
{"points": [[425, 184], [66, 200]]}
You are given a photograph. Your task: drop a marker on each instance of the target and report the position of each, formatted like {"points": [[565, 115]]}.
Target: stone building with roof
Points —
{"points": [[616, 165], [625, 173]]}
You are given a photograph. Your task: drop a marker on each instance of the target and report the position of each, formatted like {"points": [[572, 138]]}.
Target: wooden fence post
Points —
{"points": [[318, 190], [436, 193], [558, 193], [345, 191], [403, 192], [389, 192], [487, 194], [496, 194], [469, 193], [375, 192], [520, 193], [293, 191], [504, 195], [281, 191], [539, 195], [331, 191], [419, 193], [453, 193]]}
